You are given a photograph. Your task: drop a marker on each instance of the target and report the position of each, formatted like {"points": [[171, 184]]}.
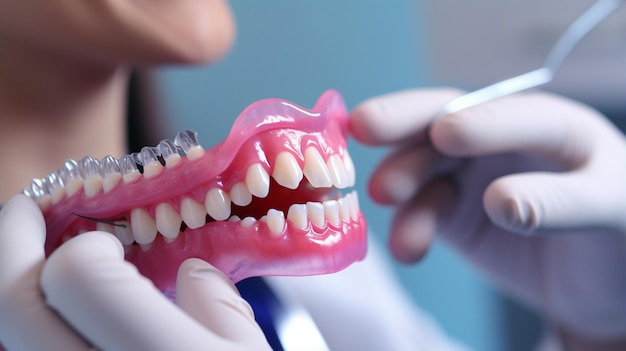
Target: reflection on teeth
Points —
{"points": [[338, 172], [347, 161], [315, 169], [275, 221], [124, 232], [240, 195], [217, 204], [144, 227], [192, 213], [287, 171], [297, 215], [258, 181], [315, 212], [248, 222], [331, 211], [168, 221]]}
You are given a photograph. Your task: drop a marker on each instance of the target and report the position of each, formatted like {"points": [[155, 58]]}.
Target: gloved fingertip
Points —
{"points": [[509, 213], [362, 120], [411, 235]]}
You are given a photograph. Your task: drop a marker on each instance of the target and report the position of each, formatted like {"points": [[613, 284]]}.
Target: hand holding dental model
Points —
{"points": [[530, 188], [86, 295]]}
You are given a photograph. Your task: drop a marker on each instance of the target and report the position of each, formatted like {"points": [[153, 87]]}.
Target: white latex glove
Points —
{"points": [[85, 296], [530, 188]]}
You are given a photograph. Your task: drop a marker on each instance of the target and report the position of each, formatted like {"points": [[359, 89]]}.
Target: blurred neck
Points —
{"points": [[53, 108]]}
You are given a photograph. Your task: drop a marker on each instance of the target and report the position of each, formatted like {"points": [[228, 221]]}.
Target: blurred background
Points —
{"points": [[297, 50]]}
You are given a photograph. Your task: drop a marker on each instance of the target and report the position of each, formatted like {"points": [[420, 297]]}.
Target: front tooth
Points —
{"points": [[192, 213], [354, 205], [217, 204], [111, 173], [248, 222], [337, 170], [331, 211], [315, 169], [240, 195], [315, 212], [258, 181], [144, 227], [344, 209], [71, 177], [347, 161], [287, 171], [151, 164], [92, 176], [168, 221], [275, 221], [124, 233], [297, 215]]}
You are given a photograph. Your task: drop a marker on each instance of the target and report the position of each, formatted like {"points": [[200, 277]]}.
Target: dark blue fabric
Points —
{"points": [[262, 300]]}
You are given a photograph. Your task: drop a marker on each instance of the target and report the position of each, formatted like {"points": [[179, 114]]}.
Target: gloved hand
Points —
{"points": [[85, 296], [530, 188]]}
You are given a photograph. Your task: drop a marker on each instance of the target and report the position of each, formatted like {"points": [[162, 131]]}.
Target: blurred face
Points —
{"points": [[131, 32]]}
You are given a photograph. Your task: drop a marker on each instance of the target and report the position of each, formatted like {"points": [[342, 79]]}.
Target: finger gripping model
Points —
{"points": [[265, 201]]}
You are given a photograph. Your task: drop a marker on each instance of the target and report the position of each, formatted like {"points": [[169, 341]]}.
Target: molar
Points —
{"points": [[338, 172], [258, 181], [168, 221], [217, 204], [143, 226], [275, 221], [287, 171], [240, 195], [92, 175], [192, 213], [297, 215], [187, 140], [315, 169]]}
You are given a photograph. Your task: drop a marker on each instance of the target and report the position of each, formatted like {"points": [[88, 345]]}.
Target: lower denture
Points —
{"points": [[265, 201]]}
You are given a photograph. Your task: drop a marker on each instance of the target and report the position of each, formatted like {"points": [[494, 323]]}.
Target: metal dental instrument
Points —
{"points": [[568, 40]]}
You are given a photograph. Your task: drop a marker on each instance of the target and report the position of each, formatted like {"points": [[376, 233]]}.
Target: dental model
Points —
{"points": [[265, 201]]}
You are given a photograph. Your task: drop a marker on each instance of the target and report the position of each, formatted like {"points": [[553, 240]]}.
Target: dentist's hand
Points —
{"points": [[530, 188], [85, 296]]}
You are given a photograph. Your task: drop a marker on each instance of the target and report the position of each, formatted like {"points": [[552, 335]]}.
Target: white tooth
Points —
{"points": [[297, 215], [234, 218], [92, 185], [240, 195], [105, 227], [344, 209], [131, 177], [331, 211], [144, 227], [168, 221], [315, 212], [258, 181], [275, 221], [287, 171], [347, 161], [124, 233], [110, 181], [73, 185], [315, 169], [338, 172], [152, 169], [263, 219], [217, 204], [192, 213], [172, 160], [354, 206], [248, 222]]}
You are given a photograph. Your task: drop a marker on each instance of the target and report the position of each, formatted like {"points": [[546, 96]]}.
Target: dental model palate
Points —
{"points": [[273, 198]]}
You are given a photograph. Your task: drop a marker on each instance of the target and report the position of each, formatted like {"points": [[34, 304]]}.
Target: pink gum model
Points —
{"points": [[265, 201]]}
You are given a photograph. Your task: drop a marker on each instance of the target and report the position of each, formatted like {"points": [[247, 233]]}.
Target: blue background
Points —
{"points": [[296, 50]]}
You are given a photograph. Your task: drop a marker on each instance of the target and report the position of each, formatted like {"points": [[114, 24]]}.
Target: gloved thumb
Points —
{"points": [[525, 203], [210, 298]]}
